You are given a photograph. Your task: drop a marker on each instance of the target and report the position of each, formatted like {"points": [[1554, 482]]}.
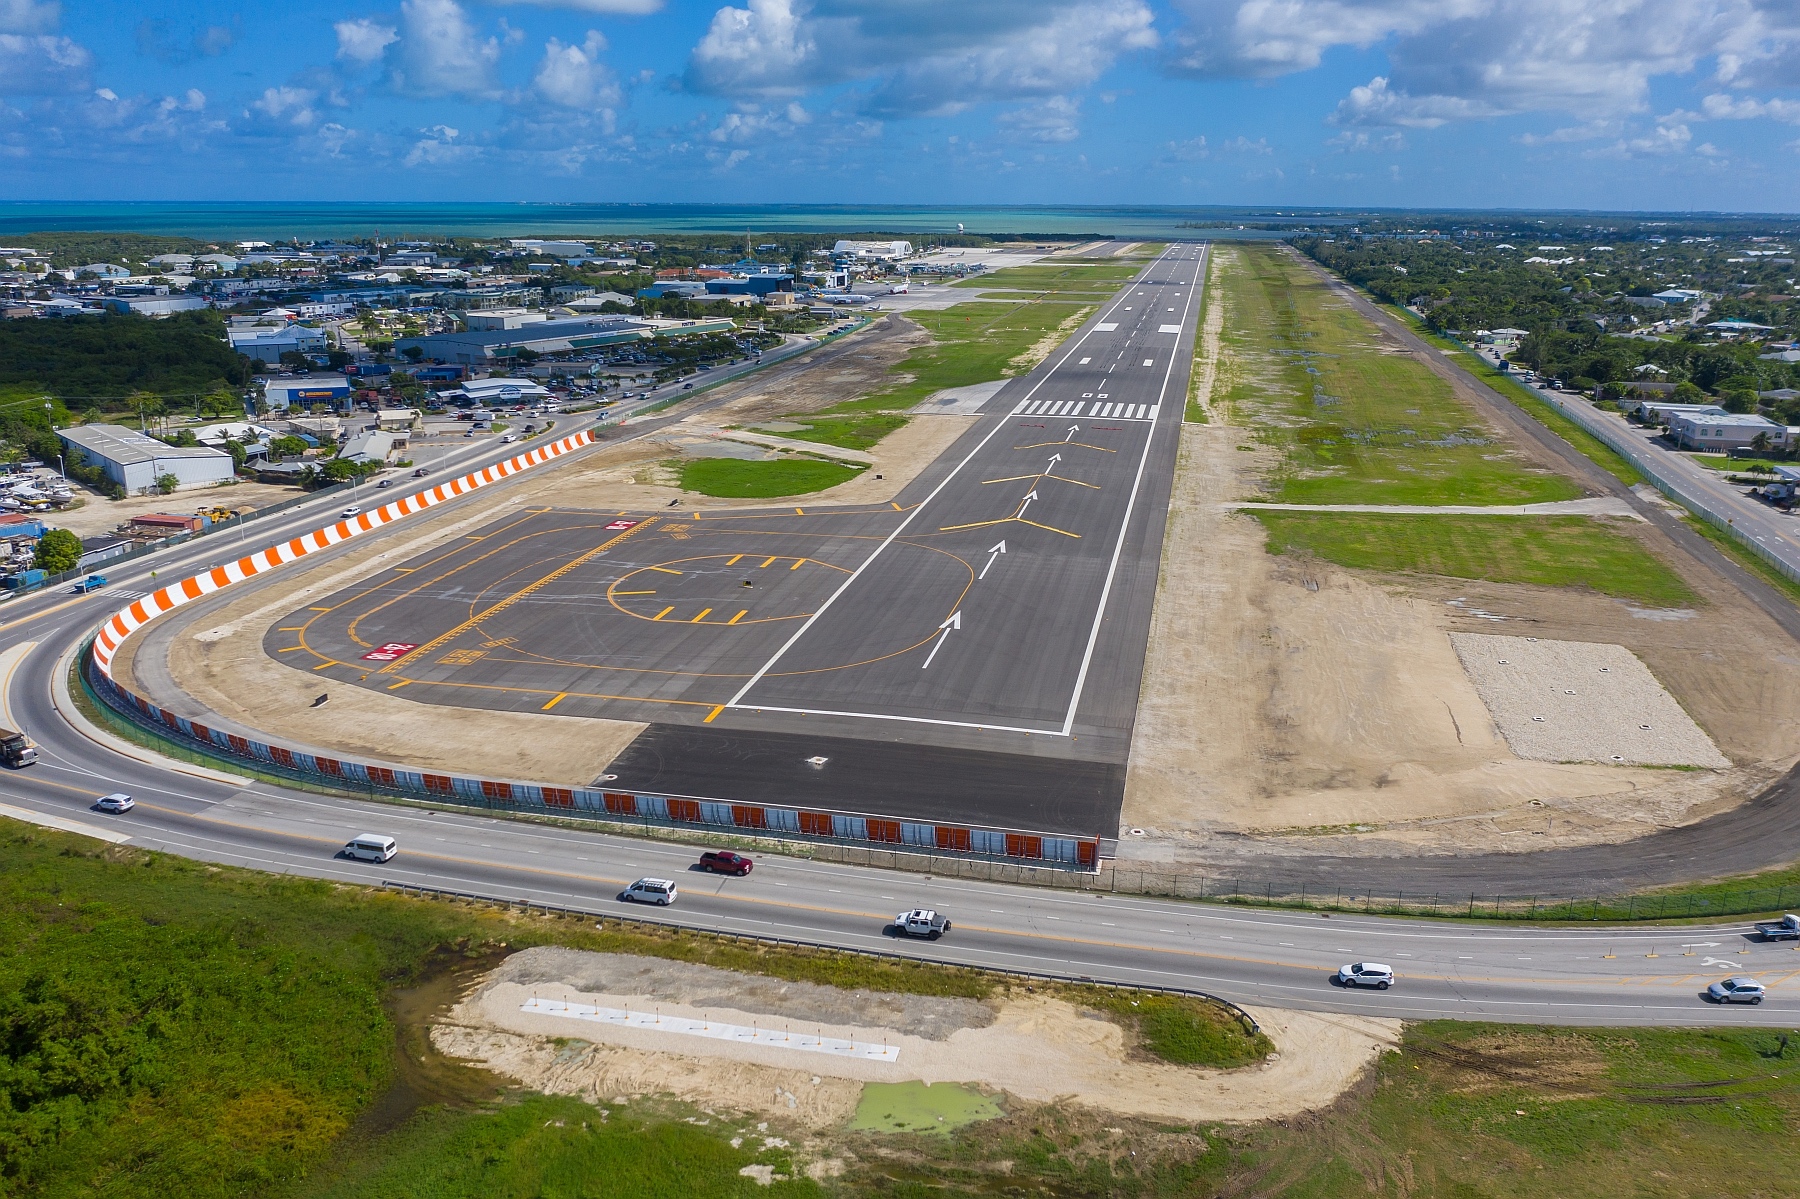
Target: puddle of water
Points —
{"points": [[921, 1107], [423, 1077]]}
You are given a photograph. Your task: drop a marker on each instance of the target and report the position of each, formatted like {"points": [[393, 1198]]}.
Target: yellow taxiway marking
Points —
{"points": [[400, 684], [734, 560], [289, 649], [1038, 445], [634, 593], [765, 562], [664, 612], [1051, 528], [897, 507], [404, 570], [327, 662], [292, 628], [713, 713], [739, 616], [704, 613], [560, 696], [799, 512], [318, 609], [664, 569], [798, 562]]}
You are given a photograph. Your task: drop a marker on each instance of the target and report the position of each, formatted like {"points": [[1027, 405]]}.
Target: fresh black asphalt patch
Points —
{"points": [[973, 651]]}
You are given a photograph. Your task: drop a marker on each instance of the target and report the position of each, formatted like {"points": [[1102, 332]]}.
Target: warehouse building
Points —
{"points": [[135, 461], [481, 347]]}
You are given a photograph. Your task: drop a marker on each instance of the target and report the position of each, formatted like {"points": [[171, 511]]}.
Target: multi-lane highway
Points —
{"points": [[1502, 972]]}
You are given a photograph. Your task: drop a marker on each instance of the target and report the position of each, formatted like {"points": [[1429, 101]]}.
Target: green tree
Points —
{"points": [[57, 550], [168, 482], [288, 447], [1687, 393]]}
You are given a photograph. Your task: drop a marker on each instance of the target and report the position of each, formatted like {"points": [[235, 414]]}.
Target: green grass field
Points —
{"points": [[734, 478], [858, 431], [178, 1029], [1356, 424], [1549, 551]]}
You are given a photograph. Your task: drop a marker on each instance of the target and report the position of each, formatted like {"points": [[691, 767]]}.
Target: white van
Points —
{"points": [[371, 847]]}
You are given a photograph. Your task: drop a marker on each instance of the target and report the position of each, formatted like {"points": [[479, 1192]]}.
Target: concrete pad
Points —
{"points": [[1575, 701], [960, 401]]}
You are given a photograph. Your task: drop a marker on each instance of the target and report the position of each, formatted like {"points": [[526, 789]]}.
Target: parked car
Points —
{"points": [[1736, 989], [118, 801], [724, 861], [352, 510], [921, 922], [650, 890], [1366, 974]]}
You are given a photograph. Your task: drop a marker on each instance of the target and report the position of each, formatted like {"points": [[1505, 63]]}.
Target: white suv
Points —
{"points": [[1366, 974], [1736, 990], [650, 890]]}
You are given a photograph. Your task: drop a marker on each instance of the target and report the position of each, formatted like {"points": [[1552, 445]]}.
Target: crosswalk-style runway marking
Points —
{"points": [[1097, 409]]}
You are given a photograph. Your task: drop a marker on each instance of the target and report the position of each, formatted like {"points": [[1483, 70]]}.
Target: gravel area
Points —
{"points": [[702, 987], [1576, 701]]}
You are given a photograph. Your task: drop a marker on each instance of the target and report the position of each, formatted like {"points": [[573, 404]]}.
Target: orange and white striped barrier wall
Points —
{"points": [[139, 613]]}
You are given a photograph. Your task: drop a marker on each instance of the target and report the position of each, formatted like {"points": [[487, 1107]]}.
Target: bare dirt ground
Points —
{"points": [[1032, 1047], [98, 515], [1324, 710]]}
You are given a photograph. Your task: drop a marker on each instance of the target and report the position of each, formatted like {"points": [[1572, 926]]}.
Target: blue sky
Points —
{"points": [[1628, 104]]}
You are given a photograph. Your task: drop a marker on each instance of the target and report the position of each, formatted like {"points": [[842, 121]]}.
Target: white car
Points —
{"points": [[650, 890], [118, 801], [1366, 974], [1736, 989], [347, 513], [509, 438]]}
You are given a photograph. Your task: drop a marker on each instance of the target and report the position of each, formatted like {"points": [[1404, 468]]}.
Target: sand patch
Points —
{"points": [[1035, 1048], [1572, 701], [1287, 695]]}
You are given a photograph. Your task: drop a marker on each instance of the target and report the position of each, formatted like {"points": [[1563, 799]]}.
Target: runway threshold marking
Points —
{"points": [[501, 605], [737, 700]]}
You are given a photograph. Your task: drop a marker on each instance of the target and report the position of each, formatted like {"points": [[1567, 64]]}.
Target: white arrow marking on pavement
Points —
{"points": [[1026, 504], [994, 551], [955, 622], [1729, 965], [1073, 429]]}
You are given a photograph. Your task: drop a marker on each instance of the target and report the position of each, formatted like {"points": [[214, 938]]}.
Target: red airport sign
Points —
{"points": [[619, 526], [391, 652]]}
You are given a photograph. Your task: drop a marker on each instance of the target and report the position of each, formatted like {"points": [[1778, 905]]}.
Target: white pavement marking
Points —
{"points": [[736, 701], [774, 1038], [955, 622], [1112, 570], [61, 824]]}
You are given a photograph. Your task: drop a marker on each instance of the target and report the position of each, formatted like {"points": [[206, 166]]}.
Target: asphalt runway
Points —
{"points": [[973, 649]]}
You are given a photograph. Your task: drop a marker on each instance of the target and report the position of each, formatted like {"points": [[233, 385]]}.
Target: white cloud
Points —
{"points": [[1191, 150], [42, 65], [1355, 141], [1376, 103], [574, 76], [290, 105], [1664, 140], [623, 8], [1051, 121], [933, 56], [438, 147], [1453, 60], [1243, 145], [441, 54], [1746, 108], [28, 16], [363, 40]]}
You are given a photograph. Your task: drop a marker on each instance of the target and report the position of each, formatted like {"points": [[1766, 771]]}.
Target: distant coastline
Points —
{"points": [[328, 220]]}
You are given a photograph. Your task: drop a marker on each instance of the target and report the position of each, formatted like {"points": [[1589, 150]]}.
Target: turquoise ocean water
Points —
{"points": [[274, 221]]}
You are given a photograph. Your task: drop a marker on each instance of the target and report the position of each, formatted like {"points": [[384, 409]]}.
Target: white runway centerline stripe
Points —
{"points": [[687, 1026]]}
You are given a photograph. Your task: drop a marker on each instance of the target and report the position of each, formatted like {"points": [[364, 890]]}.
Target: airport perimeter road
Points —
{"points": [[1501, 973]]}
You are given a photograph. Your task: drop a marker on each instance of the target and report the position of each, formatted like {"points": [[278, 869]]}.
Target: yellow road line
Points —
{"points": [[634, 593], [664, 612], [704, 613], [290, 649], [500, 606], [664, 569], [1052, 528]]}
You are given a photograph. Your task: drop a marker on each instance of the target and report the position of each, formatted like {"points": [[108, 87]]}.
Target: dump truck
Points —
{"points": [[16, 749], [1785, 929]]}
